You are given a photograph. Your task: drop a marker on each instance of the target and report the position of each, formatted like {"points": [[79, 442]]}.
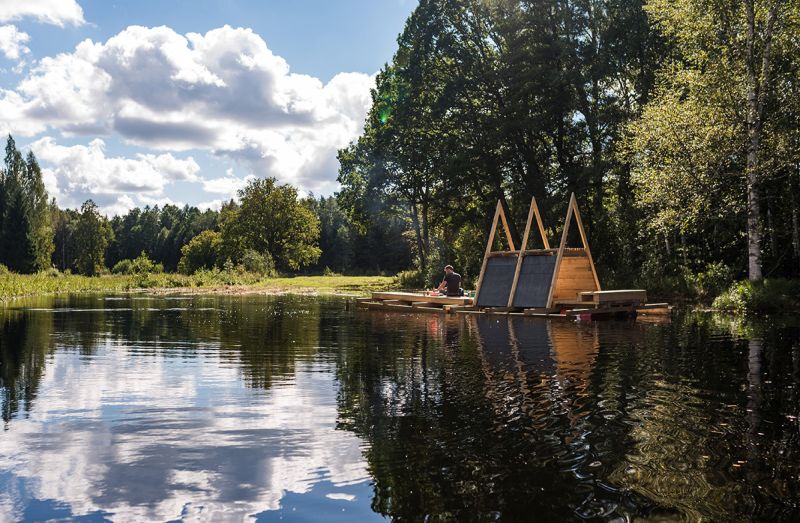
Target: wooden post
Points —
{"points": [[579, 221], [539, 222]]}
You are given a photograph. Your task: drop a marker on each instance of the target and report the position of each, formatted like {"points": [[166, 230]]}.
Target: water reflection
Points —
{"points": [[217, 408], [141, 415]]}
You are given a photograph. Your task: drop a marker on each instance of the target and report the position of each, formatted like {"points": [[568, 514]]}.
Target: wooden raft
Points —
{"points": [[543, 282], [413, 302]]}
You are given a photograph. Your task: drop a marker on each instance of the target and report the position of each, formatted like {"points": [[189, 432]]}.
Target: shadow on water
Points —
{"points": [[220, 407]]}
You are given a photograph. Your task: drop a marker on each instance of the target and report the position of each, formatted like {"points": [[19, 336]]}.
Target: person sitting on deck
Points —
{"points": [[451, 284]]}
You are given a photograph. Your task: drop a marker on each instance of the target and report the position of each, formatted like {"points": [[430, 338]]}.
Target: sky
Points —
{"points": [[134, 103]]}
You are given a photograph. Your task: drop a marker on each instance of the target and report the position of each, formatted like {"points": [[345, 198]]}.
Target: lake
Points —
{"points": [[302, 408]]}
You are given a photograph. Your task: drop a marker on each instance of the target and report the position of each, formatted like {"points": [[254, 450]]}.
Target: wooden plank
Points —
{"points": [[414, 296], [419, 304], [629, 295], [540, 310], [560, 255], [545, 241], [579, 221], [506, 228], [402, 308]]}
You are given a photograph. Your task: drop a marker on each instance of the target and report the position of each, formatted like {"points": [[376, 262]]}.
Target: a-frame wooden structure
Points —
{"points": [[574, 270], [536, 278]]}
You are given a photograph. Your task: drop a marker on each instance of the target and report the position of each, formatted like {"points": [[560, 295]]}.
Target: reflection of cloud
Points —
{"points": [[150, 438]]}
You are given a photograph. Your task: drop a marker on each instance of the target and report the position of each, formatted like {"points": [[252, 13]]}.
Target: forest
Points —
{"points": [[675, 123]]}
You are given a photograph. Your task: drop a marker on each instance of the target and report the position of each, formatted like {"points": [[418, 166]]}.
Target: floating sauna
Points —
{"points": [[559, 283]]}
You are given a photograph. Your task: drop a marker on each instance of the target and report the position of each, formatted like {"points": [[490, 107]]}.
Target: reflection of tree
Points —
{"points": [[268, 336], [448, 437], [24, 345], [476, 416]]}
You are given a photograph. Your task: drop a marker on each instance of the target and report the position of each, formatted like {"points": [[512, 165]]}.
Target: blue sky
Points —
{"points": [[136, 103]]}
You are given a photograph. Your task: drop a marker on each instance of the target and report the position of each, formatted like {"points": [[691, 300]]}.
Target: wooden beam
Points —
{"points": [[545, 242], [574, 203], [509, 238], [488, 250], [560, 254]]}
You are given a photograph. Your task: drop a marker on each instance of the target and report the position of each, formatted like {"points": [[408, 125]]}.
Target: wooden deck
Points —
{"points": [[414, 302]]}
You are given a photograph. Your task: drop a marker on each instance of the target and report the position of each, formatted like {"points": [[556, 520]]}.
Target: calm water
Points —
{"points": [[303, 409]]}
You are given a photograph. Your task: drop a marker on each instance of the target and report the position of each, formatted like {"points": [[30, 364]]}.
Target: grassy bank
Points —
{"points": [[14, 285]]}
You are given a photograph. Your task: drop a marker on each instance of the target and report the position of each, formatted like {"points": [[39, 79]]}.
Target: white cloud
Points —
{"points": [[226, 185], [12, 42], [223, 92], [55, 12], [116, 184]]}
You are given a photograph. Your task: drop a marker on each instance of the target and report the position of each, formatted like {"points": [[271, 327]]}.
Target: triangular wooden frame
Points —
{"points": [[572, 210], [499, 215], [532, 212]]}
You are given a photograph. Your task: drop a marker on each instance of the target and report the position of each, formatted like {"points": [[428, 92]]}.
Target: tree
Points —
{"points": [[204, 251], [271, 220], [720, 89], [92, 236], [17, 242], [41, 229]]}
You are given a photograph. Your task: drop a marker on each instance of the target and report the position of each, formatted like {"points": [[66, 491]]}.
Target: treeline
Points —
{"points": [[675, 122], [268, 229]]}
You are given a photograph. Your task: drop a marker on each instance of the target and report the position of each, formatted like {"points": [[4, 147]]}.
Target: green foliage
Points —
{"points": [[122, 267], [140, 265], [257, 263], [410, 280], [92, 235], [271, 220], [769, 295], [202, 252]]}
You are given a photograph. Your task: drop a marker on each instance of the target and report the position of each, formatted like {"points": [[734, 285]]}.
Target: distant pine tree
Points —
{"points": [[41, 228], [17, 242]]}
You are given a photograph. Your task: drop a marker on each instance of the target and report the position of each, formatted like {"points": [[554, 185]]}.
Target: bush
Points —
{"points": [[202, 252], [4, 270], [710, 282], [122, 267], [141, 265], [52, 272], [411, 279], [256, 263], [327, 271], [773, 295]]}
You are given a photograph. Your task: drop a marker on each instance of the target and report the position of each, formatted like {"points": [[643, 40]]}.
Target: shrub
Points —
{"points": [[122, 267], [411, 279], [256, 263], [3, 270], [327, 271], [773, 295], [52, 272], [202, 252], [710, 282], [141, 265]]}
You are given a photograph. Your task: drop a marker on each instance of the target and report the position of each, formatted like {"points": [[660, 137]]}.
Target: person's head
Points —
{"points": [[448, 269]]}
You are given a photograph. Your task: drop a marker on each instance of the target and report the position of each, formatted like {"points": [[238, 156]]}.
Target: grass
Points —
{"points": [[51, 282]]}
